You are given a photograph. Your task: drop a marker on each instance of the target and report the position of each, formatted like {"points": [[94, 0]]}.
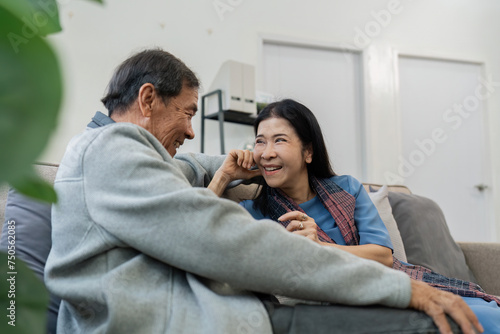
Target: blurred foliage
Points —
{"points": [[30, 95], [24, 299], [31, 91], [41, 17]]}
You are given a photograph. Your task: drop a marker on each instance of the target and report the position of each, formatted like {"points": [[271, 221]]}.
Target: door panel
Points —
{"points": [[443, 141], [328, 83]]}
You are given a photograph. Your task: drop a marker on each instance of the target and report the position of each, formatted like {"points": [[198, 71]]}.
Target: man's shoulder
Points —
{"points": [[116, 128], [103, 142], [114, 134], [95, 136]]}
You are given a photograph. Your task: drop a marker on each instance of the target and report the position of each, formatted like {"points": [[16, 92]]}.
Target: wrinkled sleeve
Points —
{"points": [[144, 200], [198, 168]]}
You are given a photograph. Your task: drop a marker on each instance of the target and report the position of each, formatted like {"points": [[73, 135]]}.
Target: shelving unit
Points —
{"points": [[222, 116]]}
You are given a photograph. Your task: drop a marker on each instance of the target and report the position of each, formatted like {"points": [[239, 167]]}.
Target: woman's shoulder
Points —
{"points": [[346, 181]]}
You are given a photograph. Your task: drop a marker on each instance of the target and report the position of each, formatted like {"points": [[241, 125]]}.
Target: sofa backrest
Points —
{"points": [[46, 171]]}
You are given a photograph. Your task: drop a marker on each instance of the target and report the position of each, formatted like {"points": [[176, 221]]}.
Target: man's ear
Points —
{"points": [[308, 154], [147, 95]]}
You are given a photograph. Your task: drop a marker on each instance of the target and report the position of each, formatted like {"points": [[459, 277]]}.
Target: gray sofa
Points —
{"points": [[431, 245]]}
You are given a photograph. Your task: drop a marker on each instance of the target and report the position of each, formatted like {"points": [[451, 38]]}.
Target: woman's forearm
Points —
{"points": [[236, 166], [219, 183], [371, 252]]}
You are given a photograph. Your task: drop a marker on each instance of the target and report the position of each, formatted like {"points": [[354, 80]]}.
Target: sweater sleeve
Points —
{"points": [[198, 168], [138, 195]]}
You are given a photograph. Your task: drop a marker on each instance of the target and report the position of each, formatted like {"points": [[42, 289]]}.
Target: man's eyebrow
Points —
{"points": [[194, 108]]}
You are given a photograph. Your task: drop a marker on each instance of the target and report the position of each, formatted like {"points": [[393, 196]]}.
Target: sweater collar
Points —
{"points": [[99, 120]]}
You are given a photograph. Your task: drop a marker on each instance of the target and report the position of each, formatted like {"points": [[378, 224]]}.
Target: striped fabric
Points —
{"points": [[341, 206]]}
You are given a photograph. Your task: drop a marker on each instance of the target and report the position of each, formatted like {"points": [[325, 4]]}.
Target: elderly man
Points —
{"points": [[141, 246]]}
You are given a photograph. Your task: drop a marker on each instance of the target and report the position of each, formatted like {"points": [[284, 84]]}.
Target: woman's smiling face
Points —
{"points": [[281, 157]]}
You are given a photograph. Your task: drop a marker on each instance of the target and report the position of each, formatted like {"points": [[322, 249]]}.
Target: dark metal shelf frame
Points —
{"points": [[222, 116]]}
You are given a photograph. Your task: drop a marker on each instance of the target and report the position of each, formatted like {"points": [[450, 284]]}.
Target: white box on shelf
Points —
{"points": [[237, 82]]}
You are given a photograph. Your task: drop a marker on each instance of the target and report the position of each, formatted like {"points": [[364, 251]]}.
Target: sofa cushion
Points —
{"points": [[33, 233], [426, 237], [33, 230], [381, 201]]}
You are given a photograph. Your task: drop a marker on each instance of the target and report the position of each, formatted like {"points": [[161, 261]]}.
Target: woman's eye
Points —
{"points": [[280, 140]]}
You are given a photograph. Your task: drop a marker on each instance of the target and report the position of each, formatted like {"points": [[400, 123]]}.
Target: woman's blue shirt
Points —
{"points": [[370, 226]]}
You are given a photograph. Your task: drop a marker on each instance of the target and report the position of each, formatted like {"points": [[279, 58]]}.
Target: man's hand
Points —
{"points": [[236, 166], [437, 304]]}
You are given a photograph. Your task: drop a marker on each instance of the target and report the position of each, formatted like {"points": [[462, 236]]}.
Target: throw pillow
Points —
{"points": [[381, 201], [426, 236]]}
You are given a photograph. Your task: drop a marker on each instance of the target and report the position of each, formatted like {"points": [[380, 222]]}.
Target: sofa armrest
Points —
{"points": [[482, 259]]}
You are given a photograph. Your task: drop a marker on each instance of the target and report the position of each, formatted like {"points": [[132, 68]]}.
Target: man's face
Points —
{"points": [[171, 123]]}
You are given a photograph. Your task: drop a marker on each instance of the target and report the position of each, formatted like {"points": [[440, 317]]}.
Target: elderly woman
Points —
{"points": [[302, 192]]}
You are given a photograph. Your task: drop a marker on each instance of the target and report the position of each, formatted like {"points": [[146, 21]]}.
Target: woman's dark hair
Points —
{"points": [[166, 72], [307, 128]]}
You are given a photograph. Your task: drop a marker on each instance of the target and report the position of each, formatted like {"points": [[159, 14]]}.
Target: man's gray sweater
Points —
{"points": [[140, 246]]}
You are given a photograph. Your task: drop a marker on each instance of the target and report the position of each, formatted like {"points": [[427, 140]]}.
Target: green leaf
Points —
{"points": [[21, 288], [39, 17], [30, 97], [33, 186], [99, 1]]}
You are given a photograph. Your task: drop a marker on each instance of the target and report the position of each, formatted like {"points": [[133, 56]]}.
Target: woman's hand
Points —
{"points": [[301, 224], [236, 166], [304, 225]]}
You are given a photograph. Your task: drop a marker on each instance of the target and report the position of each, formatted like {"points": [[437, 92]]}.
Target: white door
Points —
{"points": [[444, 152], [328, 83]]}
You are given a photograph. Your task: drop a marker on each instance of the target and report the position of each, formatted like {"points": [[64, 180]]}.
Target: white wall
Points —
{"points": [[97, 38]]}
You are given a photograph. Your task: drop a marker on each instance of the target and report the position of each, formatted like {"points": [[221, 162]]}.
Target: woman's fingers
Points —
{"points": [[301, 224], [244, 158], [295, 225], [237, 165], [294, 215], [298, 221]]}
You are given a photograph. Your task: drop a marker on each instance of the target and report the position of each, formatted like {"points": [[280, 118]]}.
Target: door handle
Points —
{"points": [[481, 187]]}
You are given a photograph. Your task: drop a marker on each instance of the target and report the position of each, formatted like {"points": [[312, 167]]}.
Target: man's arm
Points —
{"points": [[198, 168], [143, 199]]}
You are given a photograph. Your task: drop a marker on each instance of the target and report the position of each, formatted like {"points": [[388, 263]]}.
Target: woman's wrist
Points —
{"points": [[219, 182]]}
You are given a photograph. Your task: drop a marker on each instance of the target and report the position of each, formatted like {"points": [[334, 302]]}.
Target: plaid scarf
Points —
{"points": [[340, 204]]}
